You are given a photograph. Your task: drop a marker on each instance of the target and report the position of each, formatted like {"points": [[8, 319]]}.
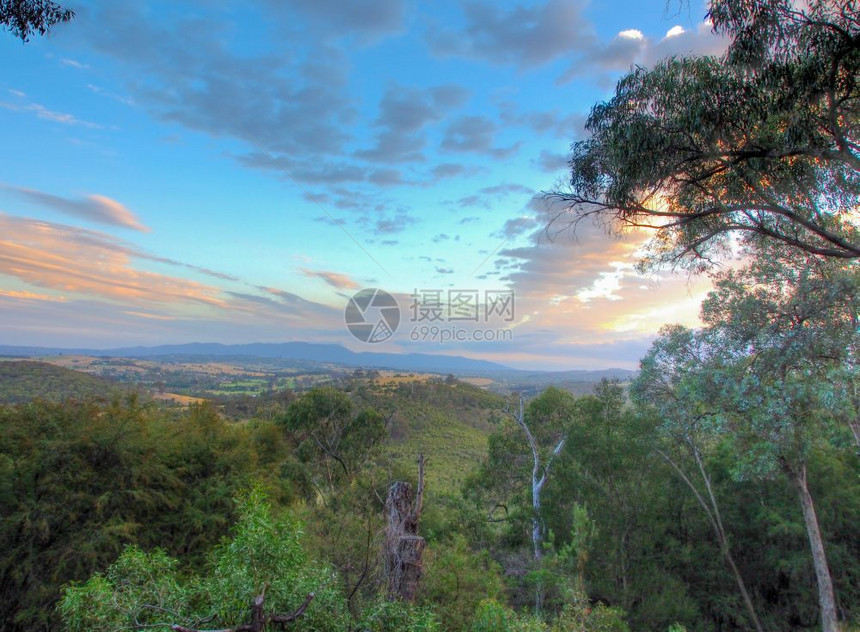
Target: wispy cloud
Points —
{"points": [[94, 207], [31, 296], [92, 277], [72, 63], [44, 113], [83, 262], [335, 279]]}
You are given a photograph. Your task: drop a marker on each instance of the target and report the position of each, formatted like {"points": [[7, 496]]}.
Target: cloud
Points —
{"points": [[688, 42], [631, 46], [447, 170], [554, 123], [584, 289], [516, 226], [551, 163], [403, 114], [475, 134], [485, 197], [504, 189], [390, 224], [386, 177], [369, 20], [469, 134], [110, 95], [410, 109], [83, 262], [289, 99], [71, 63], [305, 170], [335, 279], [81, 285], [31, 296], [46, 114], [95, 208], [523, 36]]}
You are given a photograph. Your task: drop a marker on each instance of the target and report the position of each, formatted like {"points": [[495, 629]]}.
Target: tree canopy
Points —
{"points": [[773, 370], [760, 143], [27, 17]]}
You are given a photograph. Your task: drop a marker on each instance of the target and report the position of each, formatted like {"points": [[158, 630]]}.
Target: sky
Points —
{"points": [[234, 172]]}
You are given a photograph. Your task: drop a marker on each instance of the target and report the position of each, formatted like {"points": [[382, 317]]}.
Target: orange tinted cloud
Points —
{"points": [[335, 279], [90, 263], [587, 290], [101, 277], [95, 208], [31, 296]]}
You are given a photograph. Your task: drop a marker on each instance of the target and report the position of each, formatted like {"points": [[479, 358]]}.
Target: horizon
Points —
{"points": [[106, 352]]}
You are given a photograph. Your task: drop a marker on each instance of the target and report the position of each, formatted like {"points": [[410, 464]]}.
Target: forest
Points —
{"points": [[660, 507]]}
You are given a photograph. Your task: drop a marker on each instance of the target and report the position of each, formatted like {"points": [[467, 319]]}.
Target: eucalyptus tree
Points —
{"points": [[762, 143], [771, 371], [333, 438], [675, 381], [544, 423], [27, 17], [521, 456], [788, 330]]}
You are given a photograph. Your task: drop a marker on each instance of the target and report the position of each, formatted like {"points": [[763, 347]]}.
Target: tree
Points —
{"points": [[332, 437], [264, 559], [767, 369], [83, 479], [673, 381], [790, 327], [26, 17], [761, 144], [546, 426]]}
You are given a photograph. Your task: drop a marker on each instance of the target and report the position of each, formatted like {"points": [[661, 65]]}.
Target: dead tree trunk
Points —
{"points": [[259, 619], [403, 545]]}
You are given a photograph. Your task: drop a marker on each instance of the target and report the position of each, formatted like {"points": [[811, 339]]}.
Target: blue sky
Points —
{"points": [[235, 171]]}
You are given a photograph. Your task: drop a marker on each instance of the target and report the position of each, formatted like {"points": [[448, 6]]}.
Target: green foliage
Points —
{"points": [[138, 589], [83, 480], [456, 580], [390, 616], [447, 423], [493, 616], [581, 616], [332, 439], [262, 554], [625, 539], [760, 143]]}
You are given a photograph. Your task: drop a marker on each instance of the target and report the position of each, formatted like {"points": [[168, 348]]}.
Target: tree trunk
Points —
{"points": [[403, 546], [826, 596], [537, 538], [716, 521]]}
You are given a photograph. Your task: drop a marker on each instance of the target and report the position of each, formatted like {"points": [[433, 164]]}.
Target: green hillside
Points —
{"points": [[448, 423], [25, 380]]}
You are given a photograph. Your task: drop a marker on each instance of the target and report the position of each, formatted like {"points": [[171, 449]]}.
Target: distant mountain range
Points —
{"points": [[323, 354], [299, 351]]}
